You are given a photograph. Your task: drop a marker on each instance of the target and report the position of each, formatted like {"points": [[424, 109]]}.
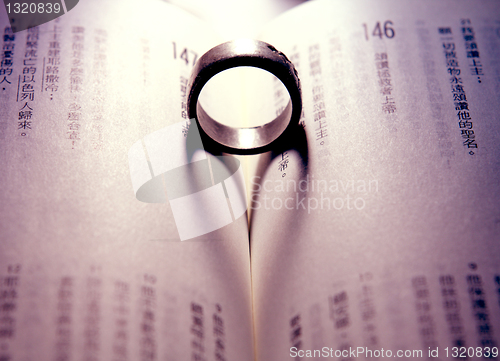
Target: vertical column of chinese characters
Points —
{"points": [[93, 315], [339, 307], [183, 78], [8, 303], [148, 345], [296, 334], [295, 59], [219, 335], [50, 76], [319, 109], [121, 311], [434, 93], [280, 104], [457, 89], [471, 48], [75, 84], [279, 91], [283, 163], [64, 320], [480, 311], [368, 312], [183, 89], [198, 332], [451, 307], [426, 324], [99, 74], [26, 82], [7, 61], [385, 83]]}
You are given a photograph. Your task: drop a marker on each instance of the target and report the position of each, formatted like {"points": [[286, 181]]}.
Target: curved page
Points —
{"points": [[379, 229], [92, 265]]}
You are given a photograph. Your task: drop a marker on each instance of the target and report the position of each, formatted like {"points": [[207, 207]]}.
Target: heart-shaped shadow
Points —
{"points": [[24, 14]]}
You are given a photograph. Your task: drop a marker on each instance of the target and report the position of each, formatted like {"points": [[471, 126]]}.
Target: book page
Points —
{"points": [[92, 267], [376, 234]]}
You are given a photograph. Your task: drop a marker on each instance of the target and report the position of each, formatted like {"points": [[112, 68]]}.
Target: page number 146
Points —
{"points": [[385, 30]]}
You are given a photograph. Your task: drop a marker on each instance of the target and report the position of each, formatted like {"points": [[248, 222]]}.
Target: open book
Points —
{"points": [[376, 235]]}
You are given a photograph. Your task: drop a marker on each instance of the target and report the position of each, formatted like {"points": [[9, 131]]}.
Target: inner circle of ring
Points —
{"points": [[230, 55]]}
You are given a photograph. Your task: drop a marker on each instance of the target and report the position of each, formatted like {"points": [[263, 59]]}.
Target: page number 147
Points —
{"points": [[385, 30]]}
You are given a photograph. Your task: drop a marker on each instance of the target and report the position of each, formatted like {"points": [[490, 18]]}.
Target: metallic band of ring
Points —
{"points": [[252, 53]]}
